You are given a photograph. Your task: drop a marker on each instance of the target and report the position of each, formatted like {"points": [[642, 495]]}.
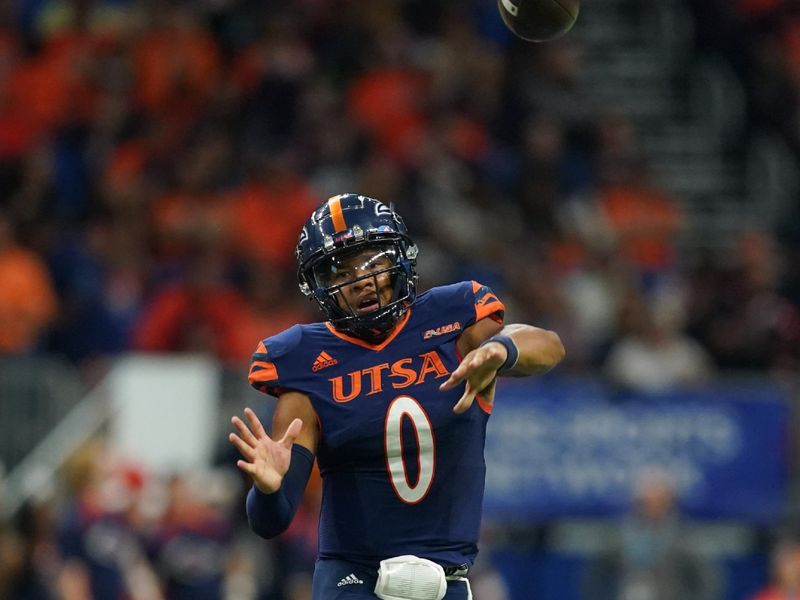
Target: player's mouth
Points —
{"points": [[368, 304]]}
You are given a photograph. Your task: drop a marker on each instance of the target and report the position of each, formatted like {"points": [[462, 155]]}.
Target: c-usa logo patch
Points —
{"points": [[381, 210]]}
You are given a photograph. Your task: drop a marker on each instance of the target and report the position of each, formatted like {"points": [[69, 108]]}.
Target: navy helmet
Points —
{"points": [[344, 225]]}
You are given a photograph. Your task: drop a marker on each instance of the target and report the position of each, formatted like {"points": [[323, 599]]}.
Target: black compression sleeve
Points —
{"points": [[270, 514]]}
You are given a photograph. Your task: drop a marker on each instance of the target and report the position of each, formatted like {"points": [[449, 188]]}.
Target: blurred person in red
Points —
{"points": [[645, 221], [278, 193], [202, 311], [642, 219], [650, 556], [27, 299], [388, 100], [193, 210], [177, 61], [97, 536], [198, 312], [266, 308], [785, 580]]}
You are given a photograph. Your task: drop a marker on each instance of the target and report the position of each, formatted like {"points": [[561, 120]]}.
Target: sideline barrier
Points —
{"points": [[571, 448]]}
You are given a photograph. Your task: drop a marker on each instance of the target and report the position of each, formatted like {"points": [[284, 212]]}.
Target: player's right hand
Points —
{"points": [[265, 459]]}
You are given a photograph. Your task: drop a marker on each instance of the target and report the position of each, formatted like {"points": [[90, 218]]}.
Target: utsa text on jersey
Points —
{"points": [[403, 373]]}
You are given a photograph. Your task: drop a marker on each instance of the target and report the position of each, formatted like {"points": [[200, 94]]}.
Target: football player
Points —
{"points": [[391, 395]]}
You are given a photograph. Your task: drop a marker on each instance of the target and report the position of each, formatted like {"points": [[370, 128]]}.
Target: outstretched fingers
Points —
{"points": [[246, 467], [477, 370], [243, 447], [459, 374], [466, 400], [244, 432], [255, 423]]}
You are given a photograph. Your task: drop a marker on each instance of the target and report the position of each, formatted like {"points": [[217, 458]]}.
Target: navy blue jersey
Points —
{"points": [[402, 473]]}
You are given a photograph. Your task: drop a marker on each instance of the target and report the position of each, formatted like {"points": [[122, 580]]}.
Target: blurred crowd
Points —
{"points": [[157, 160], [117, 531]]}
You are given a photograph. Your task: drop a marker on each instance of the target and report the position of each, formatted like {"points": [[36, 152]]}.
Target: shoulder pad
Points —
{"points": [[264, 375], [280, 344]]}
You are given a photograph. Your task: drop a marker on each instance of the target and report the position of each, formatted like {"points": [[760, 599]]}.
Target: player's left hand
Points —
{"points": [[478, 369]]}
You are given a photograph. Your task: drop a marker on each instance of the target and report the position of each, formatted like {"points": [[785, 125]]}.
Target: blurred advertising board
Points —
{"points": [[567, 448]]}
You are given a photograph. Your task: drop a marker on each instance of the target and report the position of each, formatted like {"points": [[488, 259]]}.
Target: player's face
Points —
{"points": [[363, 281]]}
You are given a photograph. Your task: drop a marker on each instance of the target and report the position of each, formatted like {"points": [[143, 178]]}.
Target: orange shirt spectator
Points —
{"points": [[181, 60], [388, 104], [268, 215], [27, 298], [184, 218], [189, 318], [645, 222], [50, 87], [195, 313]]}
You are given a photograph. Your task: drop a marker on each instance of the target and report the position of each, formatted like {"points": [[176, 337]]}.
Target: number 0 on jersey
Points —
{"points": [[400, 408]]}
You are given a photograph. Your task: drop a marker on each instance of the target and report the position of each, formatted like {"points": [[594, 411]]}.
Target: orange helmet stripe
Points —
{"points": [[335, 206]]}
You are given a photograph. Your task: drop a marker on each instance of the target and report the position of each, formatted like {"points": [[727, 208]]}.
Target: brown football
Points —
{"points": [[539, 20]]}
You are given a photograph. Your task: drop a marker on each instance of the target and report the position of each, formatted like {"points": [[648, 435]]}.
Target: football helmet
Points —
{"points": [[368, 237]]}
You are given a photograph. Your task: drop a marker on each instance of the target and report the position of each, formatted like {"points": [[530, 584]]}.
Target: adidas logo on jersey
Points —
{"points": [[349, 580], [323, 360]]}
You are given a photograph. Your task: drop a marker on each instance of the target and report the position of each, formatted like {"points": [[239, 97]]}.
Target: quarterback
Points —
{"points": [[391, 394]]}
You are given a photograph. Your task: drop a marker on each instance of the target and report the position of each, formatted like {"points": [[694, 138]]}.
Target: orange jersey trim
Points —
{"points": [[488, 305], [482, 403], [266, 372], [485, 406], [335, 206], [376, 347]]}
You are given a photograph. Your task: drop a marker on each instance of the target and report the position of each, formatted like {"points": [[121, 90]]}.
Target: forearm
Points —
{"points": [[269, 515], [539, 350]]}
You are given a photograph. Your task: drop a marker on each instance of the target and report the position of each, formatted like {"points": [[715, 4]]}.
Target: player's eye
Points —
{"points": [[342, 275]]}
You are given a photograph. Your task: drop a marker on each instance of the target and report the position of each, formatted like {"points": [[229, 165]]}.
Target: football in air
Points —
{"points": [[539, 20]]}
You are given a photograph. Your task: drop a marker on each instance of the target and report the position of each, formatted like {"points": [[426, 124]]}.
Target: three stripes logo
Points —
{"points": [[323, 360], [349, 580]]}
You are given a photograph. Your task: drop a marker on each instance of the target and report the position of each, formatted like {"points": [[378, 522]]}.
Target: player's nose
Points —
{"points": [[366, 283]]}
